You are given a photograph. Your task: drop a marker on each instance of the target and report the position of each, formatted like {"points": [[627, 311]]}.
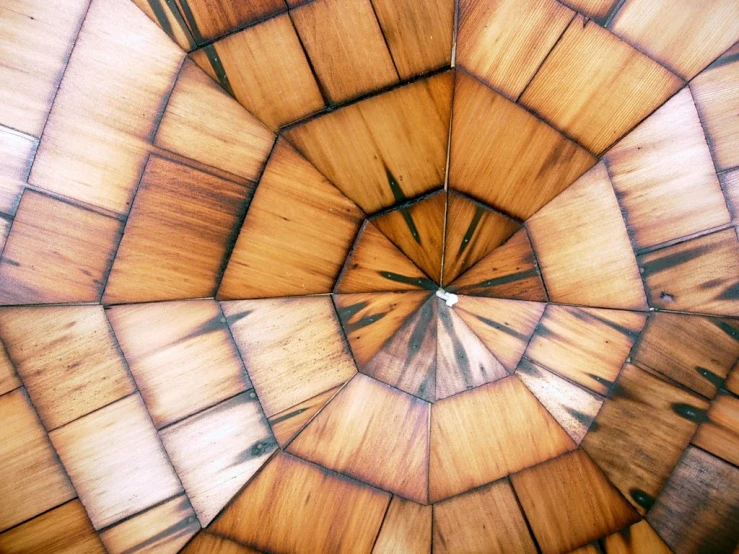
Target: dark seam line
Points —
{"points": [[384, 38], [323, 91]]}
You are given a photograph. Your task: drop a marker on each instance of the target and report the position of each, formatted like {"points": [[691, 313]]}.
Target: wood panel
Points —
{"points": [[292, 347], [375, 265], [116, 461], [406, 528], [664, 176], [286, 424], [509, 271], [596, 88], [585, 345], [205, 543], [504, 42], [67, 358], [732, 381], [697, 352], [169, 18], [373, 433], [583, 250], [418, 34], [641, 432], [730, 181], [569, 502], [16, 155], [312, 233], [293, 507], [697, 511], [496, 142], [598, 10], [56, 252], [384, 149], [181, 355], [265, 68], [103, 162], [8, 378], [720, 434], [467, 451], [209, 19], [33, 479], [346, 47], [417, 229], [473, 230], [215, 452], [699, 275], [637, 538], [504, 326], [484, 520]]}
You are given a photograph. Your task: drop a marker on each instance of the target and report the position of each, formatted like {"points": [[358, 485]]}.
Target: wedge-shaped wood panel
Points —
{"points": [[585, 345], [731, 189], [296, 247], [33, 479], [8, 377], [374, 433], [116, 461], [639, 537], [505, 156], [385, 149], [699, 275], [215, 452], [664, 176], [68, 360], [583, 249], [720, 434], [596, 88], [467, 451], [569, 502], [181, 355], [167, 15], [292, 347], [56, 252], [16, 156], [292, 506], [641, 432], [209, 19], [485, 520], [346, 47], [406, 528], [205, 543], [598, 10], [95, 143], [286, 424], [504, 42], [509, 271]]}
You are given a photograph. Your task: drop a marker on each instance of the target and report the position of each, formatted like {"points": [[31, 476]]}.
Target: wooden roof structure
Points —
{"points": [[369, 276]]}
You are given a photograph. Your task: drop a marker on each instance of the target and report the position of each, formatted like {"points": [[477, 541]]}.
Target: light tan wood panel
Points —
{"points": [[373, 433], [95, 143], [583, 249], [384, 149], [596, 88], [587, 346], [67, 358], [346, 47], [265, 68], [286, 424], [504, 326], [569, 502], [16, 156], [406, 528], [637, 538], [33, 479], [292, 347], [505, 41], [683, 38], [419, 34], [595, 9], [664, 176], [697, 511], [509, 271], [168, 16], [485, 520], [641, 432], [215, 452], [181, 355], [205, 543], [56, 252], [720, 434], [699, 275], [418, 230], [506, 157], [375, 264], [730, 181], [116, 461], [312, 233], [294, 506], [473, 230], [467, 451], [8, 377], [209, 19]]}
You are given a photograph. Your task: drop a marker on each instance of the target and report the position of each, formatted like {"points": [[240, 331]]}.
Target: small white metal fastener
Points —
{"points": [[448, 297]]}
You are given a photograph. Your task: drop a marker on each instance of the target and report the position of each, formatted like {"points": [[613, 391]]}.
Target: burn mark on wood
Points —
{"points": [[427, 284], [235, 318], [479, 212], [504, 280], [218, 69], [642, 498], [502, 328], [670, 261], [710, 376], [691, 413], [728, 328]]}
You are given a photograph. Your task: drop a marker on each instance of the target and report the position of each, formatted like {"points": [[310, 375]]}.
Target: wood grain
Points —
{"points": [[732, 381], [169, 18], [720, 434], [583, 250], [8, 377], [209, 19], [406, 528], [467, 451], [730, 181], [596, 88], [205, 543], [639, 537], [598, 10], [313, 233], [373, 433], [385, 149], [16, 156], [286, 424]]}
